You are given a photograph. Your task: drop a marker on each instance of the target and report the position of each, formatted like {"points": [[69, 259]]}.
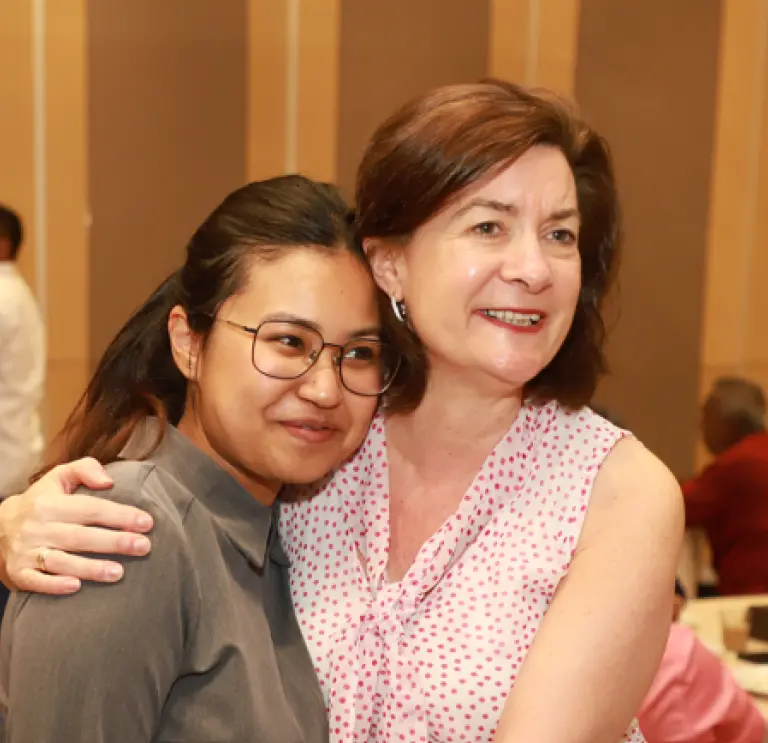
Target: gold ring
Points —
{"points": [[41, 556]]}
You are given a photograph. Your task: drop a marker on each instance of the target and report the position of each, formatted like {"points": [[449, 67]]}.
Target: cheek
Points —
{"points": [[568, 283], [232, 391], [440, 291], [361, 411]]}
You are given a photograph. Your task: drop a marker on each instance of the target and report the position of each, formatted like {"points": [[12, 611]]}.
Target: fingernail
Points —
{"points": [[141, 545], [105, 480], [72, 584], [114, 572], [144, 521]]}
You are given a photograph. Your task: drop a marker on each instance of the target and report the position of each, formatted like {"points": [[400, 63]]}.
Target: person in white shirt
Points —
{"points": [[22, 364]]}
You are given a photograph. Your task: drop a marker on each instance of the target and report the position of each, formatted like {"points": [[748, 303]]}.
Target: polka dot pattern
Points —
{"points": [[434, 656]]}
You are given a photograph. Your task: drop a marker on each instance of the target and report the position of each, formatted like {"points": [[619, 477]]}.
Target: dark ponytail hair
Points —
{"points": [[137, 376]]}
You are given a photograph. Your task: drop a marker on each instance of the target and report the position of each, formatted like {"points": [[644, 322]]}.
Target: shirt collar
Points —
{"points": [[248, 524]]}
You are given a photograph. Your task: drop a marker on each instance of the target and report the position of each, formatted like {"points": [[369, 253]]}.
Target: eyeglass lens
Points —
{"points": [[286, 350]]}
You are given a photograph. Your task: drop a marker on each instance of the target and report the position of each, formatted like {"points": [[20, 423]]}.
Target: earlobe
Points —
{"points": [[184, 342], [384, 257]]}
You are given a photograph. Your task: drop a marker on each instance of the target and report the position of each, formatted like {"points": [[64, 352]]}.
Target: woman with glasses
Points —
{"points": [[496, 561], [259, 363]]}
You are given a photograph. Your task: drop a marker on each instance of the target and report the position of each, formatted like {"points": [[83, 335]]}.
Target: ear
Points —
{"points": [[387, 262], [185, 344]]}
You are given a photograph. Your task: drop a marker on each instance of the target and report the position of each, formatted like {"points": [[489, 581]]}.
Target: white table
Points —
{"points": [[704, 617]]}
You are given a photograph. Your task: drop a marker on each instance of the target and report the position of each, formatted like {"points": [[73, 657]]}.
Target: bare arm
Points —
{"points": [[48, 517], [602, 639]]}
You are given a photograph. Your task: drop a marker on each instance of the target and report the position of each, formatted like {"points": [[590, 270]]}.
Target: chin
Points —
{"points": [[514, 374], [304, 471], [513, 366]]}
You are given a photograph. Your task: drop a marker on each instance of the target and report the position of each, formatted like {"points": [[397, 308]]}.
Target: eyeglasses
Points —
{"points": [[287, 350]]}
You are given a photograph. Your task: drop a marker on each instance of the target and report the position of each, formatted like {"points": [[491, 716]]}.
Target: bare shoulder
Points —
{"points": [[634, 490]]}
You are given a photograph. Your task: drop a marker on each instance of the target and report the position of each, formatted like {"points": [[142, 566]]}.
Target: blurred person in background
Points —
{"points": [[22, 368], [694, 697], [729, 498], [22, 363]]}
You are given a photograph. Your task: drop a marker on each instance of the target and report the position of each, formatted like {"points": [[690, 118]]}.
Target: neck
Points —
{"points": [[457, 416], [263, 490]]}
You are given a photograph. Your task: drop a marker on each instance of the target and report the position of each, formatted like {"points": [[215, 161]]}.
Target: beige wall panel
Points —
{"points": [[558, 35], [756, 340], [757, 372], [511, 55], [67, 199], [67, 248], [166, 124], [634, 61], [534, 42], [17, 185], [266, 107], [317, 108], [391, 51]]}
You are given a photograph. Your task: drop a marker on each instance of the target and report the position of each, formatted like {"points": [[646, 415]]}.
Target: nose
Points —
{"points": [[321, 385], [526, 262]]}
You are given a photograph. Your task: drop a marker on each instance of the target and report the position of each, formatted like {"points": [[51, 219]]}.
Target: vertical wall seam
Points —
{"points": [[293, 9]]}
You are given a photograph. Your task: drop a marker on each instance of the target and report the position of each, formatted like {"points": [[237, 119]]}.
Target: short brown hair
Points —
{"points": [[442, 142]]}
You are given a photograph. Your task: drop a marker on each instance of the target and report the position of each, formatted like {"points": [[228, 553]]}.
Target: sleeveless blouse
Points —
{"points": [[434, 656]]}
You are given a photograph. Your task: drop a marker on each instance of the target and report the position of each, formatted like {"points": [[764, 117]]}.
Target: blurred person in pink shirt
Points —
{"points": [[695, 699]]}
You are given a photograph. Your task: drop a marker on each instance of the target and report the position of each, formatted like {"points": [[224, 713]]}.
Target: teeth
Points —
{"points": [[514, 318]]}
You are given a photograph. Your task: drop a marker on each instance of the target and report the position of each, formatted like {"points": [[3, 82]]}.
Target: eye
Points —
{"points": [[488, 229], [362, 353], [563, 236], [289, 342]]}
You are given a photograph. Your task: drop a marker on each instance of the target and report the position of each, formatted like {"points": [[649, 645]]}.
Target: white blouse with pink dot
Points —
{"points": [[433, 657]]}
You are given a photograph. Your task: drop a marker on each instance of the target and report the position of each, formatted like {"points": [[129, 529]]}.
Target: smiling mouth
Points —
{"points": [[310, 432], [518, 319]]}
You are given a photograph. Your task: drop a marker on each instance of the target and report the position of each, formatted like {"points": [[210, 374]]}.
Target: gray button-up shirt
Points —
{"points": [[198, 642]]}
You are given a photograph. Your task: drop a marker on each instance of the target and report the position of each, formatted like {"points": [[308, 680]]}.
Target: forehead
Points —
{"points": [[314, 283], [541, 178]]}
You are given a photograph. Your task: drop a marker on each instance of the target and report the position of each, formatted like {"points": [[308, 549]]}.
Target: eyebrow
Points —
{"points": [[498, 206], [365, 332], [511, 209]]}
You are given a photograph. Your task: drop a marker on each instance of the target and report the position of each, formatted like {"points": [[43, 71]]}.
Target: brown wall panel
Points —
{"points": [[391, 51], [646, 78], [167, 117]]}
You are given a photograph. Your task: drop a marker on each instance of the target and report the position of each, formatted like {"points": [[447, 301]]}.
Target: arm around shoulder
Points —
{"points": [[601, 641], [97, 666]]}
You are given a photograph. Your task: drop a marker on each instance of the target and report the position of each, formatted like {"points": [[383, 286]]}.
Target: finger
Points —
{"points": [[68, 477], [90, 509], [76, 538], [73, 566], [37, 582]]}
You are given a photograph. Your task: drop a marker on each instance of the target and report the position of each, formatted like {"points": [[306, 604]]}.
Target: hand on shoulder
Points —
{"points": [[48, 520]]}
